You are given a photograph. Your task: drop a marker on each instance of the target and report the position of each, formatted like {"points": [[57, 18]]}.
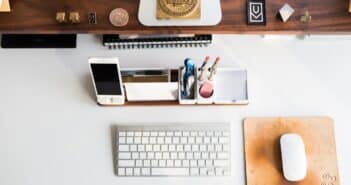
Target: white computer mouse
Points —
{"points": [[294, 160]]}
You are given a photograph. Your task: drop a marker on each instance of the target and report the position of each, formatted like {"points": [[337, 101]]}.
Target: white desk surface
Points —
{"points": [[52, 131]]}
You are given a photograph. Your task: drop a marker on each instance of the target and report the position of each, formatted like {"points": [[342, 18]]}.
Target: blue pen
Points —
{"points": [[189, 71]]}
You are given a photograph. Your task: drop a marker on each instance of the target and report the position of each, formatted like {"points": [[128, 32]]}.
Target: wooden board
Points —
{"points": [[262, 150], [38, 16]]}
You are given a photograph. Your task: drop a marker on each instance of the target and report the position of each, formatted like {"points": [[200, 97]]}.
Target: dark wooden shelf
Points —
{"points": [[38, 16]]}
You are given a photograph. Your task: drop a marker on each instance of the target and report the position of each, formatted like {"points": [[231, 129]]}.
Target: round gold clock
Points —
{"points": [[178, 8]]}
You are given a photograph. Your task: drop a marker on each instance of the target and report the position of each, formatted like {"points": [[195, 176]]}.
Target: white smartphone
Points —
{"points": [[107, 80]]}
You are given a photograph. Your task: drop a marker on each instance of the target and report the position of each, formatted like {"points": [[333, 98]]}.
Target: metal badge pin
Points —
{"points": [[74, 17], [306, 18], [61, 17]]}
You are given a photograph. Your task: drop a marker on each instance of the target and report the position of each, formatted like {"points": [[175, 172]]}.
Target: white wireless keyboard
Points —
{"points": [[183, 150]]}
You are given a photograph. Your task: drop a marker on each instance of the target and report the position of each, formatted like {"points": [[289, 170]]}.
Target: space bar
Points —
{"points": [[170, 171]]}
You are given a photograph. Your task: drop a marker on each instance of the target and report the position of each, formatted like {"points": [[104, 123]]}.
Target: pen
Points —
{"points": [[214, 69], [202, 69]]}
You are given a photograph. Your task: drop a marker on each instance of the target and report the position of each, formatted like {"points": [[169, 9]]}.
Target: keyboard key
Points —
{"points": [[176, 140], [145, 140], [169, 133], [148, 148], [150, 155], [162, 163], [207, 140], [218, 148], [174, 155], [137, 140], [130, 134], [203, 148], [129, 171], [193, 133], [158, 155], [168, 140], [220, 163], [135, 155], [177, 163], [171, 148], [146, 133], [170, 171], [123, 148], [187, 148], [122, 140], [203, 171], [222, 155], [164, 148], [181, 155], [165, 155], [201, 133], [219, 171], [154, 163], [145, 171], [179, 148], [130, 140], [189, 155], [138, 163], [157, 148], [194, 171], [126, 163], [186, 163], [124, 155], [141, 148], [146, 163], [213, 155], [170, 163], [152, 140], [121, 171], [186, 133], [162, 134], [214, 140], [205, 155], [197, 155], [122, 134], [195, 148], [142, 155], [223, 140], [133, 148], [193, 163], [177, 133], [153, 134], [160, 140], [201, 163], [138, 134], [137, 171], [191, 140], [183, 140], [198, 140]]}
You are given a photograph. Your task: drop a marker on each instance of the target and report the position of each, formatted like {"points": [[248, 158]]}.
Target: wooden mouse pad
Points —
{"points": [[263, 157]]}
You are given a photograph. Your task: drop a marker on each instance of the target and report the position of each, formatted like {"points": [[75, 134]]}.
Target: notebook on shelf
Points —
{"points": [[155, 41]]}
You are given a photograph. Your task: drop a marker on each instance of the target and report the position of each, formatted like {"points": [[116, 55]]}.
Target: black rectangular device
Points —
{"points": [[39, 41]]}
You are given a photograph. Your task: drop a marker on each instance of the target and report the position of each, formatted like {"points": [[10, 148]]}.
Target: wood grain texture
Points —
{"points": [[38, 16], [262, 150]]}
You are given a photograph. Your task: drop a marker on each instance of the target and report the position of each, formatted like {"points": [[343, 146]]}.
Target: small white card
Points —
{"points": [[158, 91]]}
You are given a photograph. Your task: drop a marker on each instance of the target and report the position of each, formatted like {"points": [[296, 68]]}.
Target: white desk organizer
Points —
{"points": [[230, 88]]}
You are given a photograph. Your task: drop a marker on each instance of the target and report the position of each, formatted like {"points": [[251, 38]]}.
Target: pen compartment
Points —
{"points": [[183, 98], [206, 89]]}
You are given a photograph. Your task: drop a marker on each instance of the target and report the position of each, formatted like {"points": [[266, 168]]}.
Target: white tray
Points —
{"points": [[211, 15]]}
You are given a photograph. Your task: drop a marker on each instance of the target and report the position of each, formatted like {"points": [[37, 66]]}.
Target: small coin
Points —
{"points": [[119, 17]]}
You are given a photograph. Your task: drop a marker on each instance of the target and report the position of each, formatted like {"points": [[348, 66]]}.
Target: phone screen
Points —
{"points": [[106, 79]]}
